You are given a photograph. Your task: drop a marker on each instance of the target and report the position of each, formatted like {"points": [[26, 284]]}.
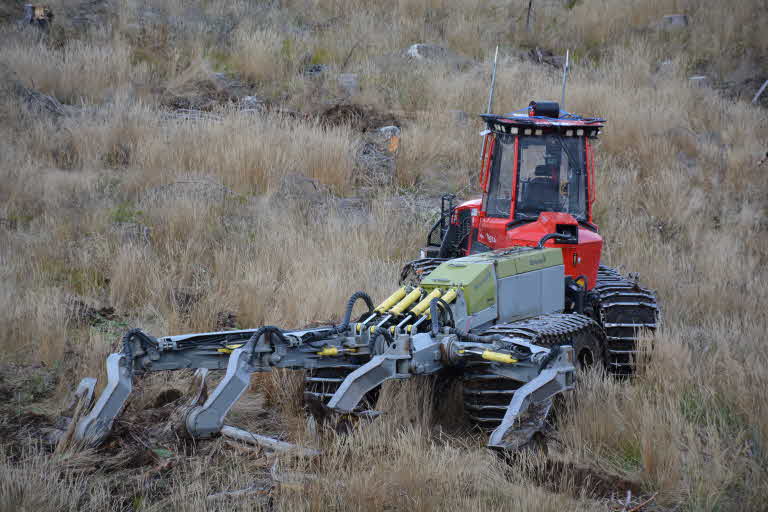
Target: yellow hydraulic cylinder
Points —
{"points": [[422, 306], [229, 348], [498, 357], [450, 295], [335, 351], [391, 300], [406, 302]]}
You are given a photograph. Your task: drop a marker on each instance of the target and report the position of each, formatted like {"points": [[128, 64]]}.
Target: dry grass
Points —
{"points": [[173, 222]]}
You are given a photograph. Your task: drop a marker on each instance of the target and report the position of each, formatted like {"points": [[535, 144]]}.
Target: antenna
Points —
{"points": [[566, 66], [493, 81]]}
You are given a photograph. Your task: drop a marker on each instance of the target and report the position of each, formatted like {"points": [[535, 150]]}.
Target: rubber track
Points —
{"points": [[419, 268], [624, 309], [486, 394], [320, 384]]}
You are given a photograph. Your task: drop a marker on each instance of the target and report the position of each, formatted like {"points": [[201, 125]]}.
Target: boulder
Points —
{"points": [[421, 52], [349, 83], [298, 187], [198, 189], [251, 103], [389, 131]]}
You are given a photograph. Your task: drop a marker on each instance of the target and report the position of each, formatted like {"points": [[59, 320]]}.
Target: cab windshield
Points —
{"points": [[552, 177]]}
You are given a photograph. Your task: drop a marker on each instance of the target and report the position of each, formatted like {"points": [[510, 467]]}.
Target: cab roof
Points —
{"points": [[514, 122], [517, 123]]}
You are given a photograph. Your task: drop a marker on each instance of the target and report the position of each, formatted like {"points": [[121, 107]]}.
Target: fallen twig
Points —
{"points": [[759, 92], [642, 505], [266, 442]]}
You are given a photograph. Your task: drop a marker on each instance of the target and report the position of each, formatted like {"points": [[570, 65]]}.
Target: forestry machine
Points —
{"points": [[509, 297]]}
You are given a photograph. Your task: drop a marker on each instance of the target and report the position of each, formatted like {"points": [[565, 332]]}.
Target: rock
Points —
{"points": [[251, 103], [421, 52], [195, 189], [301, 188], [389, 131], [428, 52], [349, 83], [314, 70], [40, 16], [35, 102], [674, 21]]}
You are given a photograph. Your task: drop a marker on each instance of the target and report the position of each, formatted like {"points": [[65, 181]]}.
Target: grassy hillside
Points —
{"points": [[186, 166]]}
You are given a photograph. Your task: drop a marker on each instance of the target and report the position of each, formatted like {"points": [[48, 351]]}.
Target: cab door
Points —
{"points": [[499, 194]]}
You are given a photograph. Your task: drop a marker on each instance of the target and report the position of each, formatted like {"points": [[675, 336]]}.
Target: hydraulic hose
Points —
{"points": [[350, 306], [144, 340], [435, 313], [553, 353], [379, 332], [267, 329], [550, 236], [474, 338]]}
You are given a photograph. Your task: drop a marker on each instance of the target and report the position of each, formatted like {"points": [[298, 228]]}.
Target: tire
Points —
{"points": [[588, 350]]}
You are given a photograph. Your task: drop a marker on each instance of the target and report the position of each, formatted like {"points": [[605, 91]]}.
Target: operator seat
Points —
{"points": [[541, 192]]}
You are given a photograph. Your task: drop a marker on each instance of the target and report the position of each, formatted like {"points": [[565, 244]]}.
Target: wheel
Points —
{"points": [[589, 350]]}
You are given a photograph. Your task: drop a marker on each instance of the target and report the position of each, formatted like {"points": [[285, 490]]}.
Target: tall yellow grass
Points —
{"points": [[96, 208]]}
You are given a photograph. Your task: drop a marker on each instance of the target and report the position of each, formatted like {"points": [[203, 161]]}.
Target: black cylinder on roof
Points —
{"points": [[544, 109]]}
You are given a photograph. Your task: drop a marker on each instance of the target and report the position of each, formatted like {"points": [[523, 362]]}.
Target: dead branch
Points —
{"points": [[642, 505], [258, 489], [266, 442]]}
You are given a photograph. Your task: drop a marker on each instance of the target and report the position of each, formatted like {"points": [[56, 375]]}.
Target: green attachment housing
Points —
{"points": [[474, 274]]}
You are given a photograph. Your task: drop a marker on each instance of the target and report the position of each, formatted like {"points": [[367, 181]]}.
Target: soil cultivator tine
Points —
{"points": [[536, 392], [207, 420], [94, 427]]}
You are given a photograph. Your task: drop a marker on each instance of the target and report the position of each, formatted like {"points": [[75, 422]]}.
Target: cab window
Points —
{"points": [[552, 176], [498, 201]]}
